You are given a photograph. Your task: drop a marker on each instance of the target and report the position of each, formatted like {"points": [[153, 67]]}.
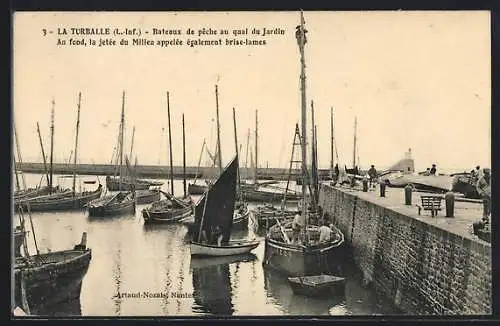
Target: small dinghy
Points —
{"points": [[317, 285], [214, 213]]}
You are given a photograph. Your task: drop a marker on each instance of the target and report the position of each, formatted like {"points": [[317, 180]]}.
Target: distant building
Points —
{"points": [[406, 165]]}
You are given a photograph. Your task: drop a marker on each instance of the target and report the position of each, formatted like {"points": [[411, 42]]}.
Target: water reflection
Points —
{"points": [[212, 285], [130, 257], [277, 288]]}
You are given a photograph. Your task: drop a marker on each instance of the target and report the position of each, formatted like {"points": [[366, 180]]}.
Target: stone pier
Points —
{"points": [[425, 265]]}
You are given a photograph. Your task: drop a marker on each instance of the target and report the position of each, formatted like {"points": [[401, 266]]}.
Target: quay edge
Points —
{"points": [[424, 265]]}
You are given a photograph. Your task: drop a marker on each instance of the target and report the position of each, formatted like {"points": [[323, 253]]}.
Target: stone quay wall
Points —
{"points": [[424, 269]]}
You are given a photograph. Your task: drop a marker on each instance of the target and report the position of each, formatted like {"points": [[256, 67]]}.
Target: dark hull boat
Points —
{"points": [[67, 202], [215, 210], [267, 196], [56, 193], [312, 258], [169, 210], [118, 204], [147, 196], [113, 184], [196, 189], [302, 254], [39, 279], [317, 285], [30, 193]]}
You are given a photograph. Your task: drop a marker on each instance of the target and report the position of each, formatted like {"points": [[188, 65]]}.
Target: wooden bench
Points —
{"points": [[430, 203]]}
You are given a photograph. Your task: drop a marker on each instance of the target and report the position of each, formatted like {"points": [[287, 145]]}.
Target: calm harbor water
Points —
{"points": [[129, 257]]}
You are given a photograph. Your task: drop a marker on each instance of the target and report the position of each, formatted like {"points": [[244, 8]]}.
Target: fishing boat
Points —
{"points": [[172, 209], [44, 278], [254, 191], [123, 202], [215, 210], [147, 196], [168, 210], [317, 285], [40, 277], [113, 184], [65, 200], [39, 193], [305, 255]]}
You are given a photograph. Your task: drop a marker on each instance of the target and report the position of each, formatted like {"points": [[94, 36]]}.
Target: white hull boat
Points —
{"points": [[234, 247]]}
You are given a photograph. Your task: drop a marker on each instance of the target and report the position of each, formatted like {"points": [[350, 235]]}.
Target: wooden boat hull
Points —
{"points": [[42, 196], [167, 215], [304, 286], [113, 184], [65, 203], [55, 271], [240, 221], [298, 260], [233, 248], [147, 196], [30, 193], [266, 196], [196, 189], [121, 208]]}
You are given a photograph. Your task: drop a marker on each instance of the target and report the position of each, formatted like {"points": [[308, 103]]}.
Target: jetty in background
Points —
{"points": [[159, 171]]}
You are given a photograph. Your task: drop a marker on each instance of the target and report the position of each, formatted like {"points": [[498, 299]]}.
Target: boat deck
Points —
{"points": [[465, 213]]}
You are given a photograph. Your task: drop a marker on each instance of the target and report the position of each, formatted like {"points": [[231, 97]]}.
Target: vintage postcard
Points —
{"points": [[251, 163]]}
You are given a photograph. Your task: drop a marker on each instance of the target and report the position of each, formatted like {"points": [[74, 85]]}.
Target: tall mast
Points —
{"points": [[122, 128], [199, 161], [132, 143], [236, 149], [354, 147], [170, 146], [246, 155], [331, 139], [184, 158], [43, 154], [219, 157], [301, 39], [76, 141], [52, 144], [312, 133], [256, 167], [19, 157]]}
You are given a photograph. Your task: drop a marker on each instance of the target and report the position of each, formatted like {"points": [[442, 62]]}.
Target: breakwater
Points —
{"points": [[158, 171], [425, 265]]}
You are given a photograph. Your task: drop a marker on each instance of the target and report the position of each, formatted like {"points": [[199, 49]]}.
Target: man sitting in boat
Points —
{"points": [[325, 232], [297, 224]]}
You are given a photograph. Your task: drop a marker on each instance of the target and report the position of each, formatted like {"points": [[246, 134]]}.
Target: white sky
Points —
{"points": [[413, 79]]}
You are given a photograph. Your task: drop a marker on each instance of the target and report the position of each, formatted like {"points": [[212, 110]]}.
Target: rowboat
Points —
{"points": [[234, 247], [317, 285]]}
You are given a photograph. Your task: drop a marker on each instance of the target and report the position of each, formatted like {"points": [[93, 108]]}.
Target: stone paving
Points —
{"points": [[465, 213]]}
